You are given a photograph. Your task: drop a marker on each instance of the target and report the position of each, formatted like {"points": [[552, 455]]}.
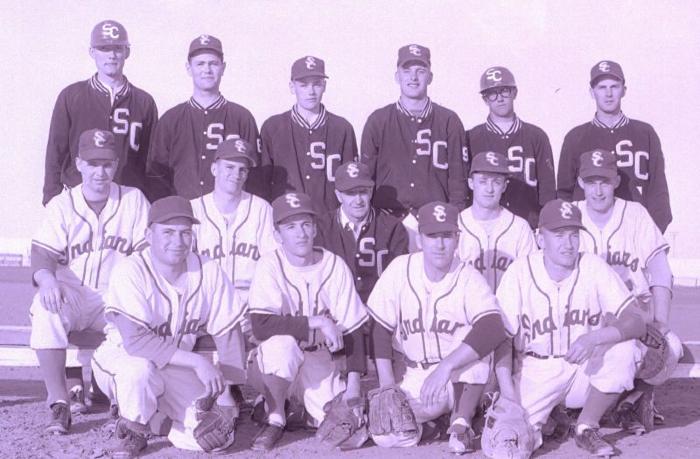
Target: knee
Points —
{"points": [[281, 356], [138, 373], [619, 366]]}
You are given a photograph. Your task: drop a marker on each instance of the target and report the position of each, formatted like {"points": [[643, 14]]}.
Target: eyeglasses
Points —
{"points": [[505, 91]]}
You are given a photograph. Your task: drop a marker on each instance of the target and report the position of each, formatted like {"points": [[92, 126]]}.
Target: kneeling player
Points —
{"points": [[446, 319], [160, 300], [303, 308], [574, 326]]}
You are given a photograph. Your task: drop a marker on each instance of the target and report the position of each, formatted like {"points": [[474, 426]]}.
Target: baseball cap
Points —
{"points": [[308, 66], [351, 175], [413, 53], [164, 209], [598, 163], [290, 204], [107, 33], [489, 161], [606, 69], [558, 213], [96, 144], [496, 77], [436, 217], [236, 148], [206, 43]]}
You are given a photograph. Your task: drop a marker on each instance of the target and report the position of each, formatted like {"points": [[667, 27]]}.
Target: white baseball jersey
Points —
{"points": [[88, 245], [325, 287], [204, 304], [545, 316], [429, 319], [491, 247], [237, 244], [627, 242]]}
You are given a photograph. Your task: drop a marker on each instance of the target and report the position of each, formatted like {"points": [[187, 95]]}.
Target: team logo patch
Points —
{"points": [[204, 39], [110, 31], [353, 170], [604, 66], [99, 139], [310, 62], [439, 213], [494, 75], [415, 50], [566, 210], [292, 200], [597, 159], [240, 146], [491, 158]]}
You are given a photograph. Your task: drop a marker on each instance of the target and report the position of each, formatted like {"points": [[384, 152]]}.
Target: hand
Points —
{"points": [[54, 296], [333, 338], [582, 349], [211, 377], [435, 385]]}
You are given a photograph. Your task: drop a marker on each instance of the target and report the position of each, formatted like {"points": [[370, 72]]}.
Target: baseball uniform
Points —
{"points": [[143, 308]]}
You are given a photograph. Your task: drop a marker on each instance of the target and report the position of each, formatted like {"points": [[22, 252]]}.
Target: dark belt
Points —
{"points": [[543, 357], [423, 365]]}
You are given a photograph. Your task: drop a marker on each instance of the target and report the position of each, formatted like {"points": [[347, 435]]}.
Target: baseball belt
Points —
{"points": [[544, 357]]}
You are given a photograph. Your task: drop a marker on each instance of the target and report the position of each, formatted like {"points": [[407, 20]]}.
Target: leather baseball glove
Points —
{"points": [[215, 430], [664, 349], [507, 433], [390, 412], [345, 425]]}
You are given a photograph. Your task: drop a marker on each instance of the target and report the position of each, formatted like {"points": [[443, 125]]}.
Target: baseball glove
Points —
{"points": [[507, 433], [344, 425], [389, 412], [215, 430], [664, 349]]}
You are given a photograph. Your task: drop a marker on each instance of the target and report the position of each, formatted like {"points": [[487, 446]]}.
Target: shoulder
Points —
{"points": [[592, 263], [385, 220], [577, 131], [338, 121], [240, 110], [131, 193], [141, 94], [174, 112], [73, 88], [275, 121], [477, 130], [444, 111], [519, 223], [642, 127], [382, 113], [256, 202], [533, 130], [133, 268]]}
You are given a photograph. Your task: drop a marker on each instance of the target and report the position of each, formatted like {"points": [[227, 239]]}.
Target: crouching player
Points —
{"points": [[447, 321], [160, 300]]}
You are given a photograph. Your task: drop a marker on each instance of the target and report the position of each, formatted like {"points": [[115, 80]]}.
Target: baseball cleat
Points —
{"points": [[267, 437], [60, 419], [461, 439], [645, 409], [77, 401], [591, 441], [626, 417], [131, 442]]}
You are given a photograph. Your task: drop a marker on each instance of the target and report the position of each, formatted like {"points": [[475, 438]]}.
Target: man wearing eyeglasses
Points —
{"points": [[530, 164], [107, 101]]}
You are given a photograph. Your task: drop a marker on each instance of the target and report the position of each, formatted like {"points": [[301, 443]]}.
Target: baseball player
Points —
{"points": [[491, 236], [525, 145], [574, 325], [185, 138], [105, 101], [160, 301], [367, 239], [415, 149], [447, 320], [640, 160], [303, 308], [87, 229], [303, 147]]}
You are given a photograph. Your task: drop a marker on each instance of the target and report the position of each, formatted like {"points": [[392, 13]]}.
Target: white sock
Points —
{"points": [[581, 427], [276, 419]]}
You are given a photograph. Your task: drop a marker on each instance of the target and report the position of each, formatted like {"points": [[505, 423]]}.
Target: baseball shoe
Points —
{"points": [[461, 439], [626, 417], [60, 421], [267, 437], [645, 409], [77, 400], [591, 441], [133, 439]]}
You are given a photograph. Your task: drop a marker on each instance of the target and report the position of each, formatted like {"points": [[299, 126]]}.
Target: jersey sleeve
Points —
{"points": [[544, 163], [266, 240], [150, 119], [267, 167], [227, 308], [649, 239], [383, 302], [159, 173], [52, 234], [348, 310], [57, 148], [398, 242], [510, 299], [613, 295], [479, 300], [568, 169], [526, 241], [265, 296], [138, 234], [349, 145], [456, 180], [370, 143], [656, 198], [128, 293]]}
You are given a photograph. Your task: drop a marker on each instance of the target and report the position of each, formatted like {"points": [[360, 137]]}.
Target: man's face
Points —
{"points": [[206, 70], [308, 91], [230, 175], [355, 202], [296, 234], [599, 192], [109, 59], [171, 241], [439, 248], [413, 80], [97, 174], [500, 100], [608, 94], [488, 188], [560, 246]]}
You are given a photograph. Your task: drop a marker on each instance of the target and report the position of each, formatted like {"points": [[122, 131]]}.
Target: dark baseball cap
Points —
{"points": [[606, 69], [437, 217], [413, 53], [108, 33], [598, 163], [236, 149], [97, 144], [496, 77], [291, 204], [558, 213], [489, 161], [308, 66], [352, 175], [170, 207], [204, 43]]}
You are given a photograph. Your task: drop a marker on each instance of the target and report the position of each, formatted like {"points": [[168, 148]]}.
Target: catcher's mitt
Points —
{"points": [[664, 350], [389, 412], [344, 425], [507, 434], [215, 429]]}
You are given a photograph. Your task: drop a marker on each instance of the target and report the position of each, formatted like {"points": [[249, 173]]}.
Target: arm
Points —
{"points": [[356, 362], [349, 145], [567, 171], [381, 350], [503, 358], [267, 325], [57, 149], [660, 283], [456, 177], [656, 197], [231, 350], [544, 163], [369, 146], [158, 170]]}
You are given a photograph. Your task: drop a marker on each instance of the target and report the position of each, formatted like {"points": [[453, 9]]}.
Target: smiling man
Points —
{"points": [[106, 101], [303, 147], [186, 137], [640, 160]]}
